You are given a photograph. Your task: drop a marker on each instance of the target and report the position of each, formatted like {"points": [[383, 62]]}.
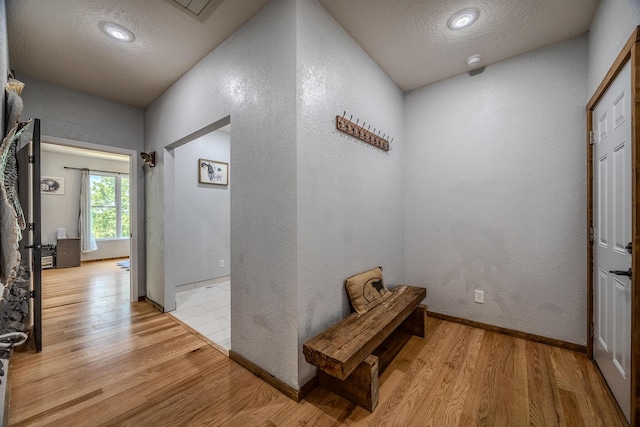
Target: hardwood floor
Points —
{"points": [[108, 362]]}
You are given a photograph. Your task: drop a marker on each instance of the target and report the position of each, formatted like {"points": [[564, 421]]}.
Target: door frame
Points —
{"points": [[630, 52], [170, 280], [134, 242]]}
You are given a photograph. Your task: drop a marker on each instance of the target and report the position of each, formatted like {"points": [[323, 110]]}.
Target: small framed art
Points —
{"points": [[52, 185], [213, 172]]}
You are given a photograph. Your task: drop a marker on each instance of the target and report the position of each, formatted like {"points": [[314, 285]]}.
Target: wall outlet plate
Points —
{"points": [[221, 263], [479, 297]]}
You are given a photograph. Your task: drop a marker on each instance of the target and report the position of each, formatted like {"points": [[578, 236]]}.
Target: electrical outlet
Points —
{"points": [[479, 297], [221, 263]]}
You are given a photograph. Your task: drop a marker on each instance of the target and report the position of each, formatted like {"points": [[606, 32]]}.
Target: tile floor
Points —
{"points": [[207, 310]]}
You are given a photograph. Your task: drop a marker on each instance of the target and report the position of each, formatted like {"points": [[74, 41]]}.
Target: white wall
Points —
{"points": [[495, 193], [349, 193], [63, 210], [612, 26], [251, 77], [76, 116], [202, 212]]}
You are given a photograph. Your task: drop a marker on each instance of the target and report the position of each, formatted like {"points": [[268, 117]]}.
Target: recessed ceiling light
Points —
{"points": [[474, 60], [117, 32], [463, 19]]}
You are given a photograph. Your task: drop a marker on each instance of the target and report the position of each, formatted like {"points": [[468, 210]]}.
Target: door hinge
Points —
{"points": [[32, 159], [31, 226], [591, 234], [592, 137], [591, 332], [32, 294]]}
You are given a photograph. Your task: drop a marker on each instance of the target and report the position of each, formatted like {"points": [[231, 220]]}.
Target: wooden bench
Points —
{"points": [[350, 354]]}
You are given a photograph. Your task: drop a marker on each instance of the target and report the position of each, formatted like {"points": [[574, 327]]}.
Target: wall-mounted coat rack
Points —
{"points": [[365, 135]]}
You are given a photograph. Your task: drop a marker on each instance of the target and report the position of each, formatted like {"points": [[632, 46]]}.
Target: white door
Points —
{"points": [[612, 226]]}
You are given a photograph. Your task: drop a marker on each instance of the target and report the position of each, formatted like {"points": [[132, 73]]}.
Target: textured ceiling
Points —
{"points": [[61, 41], [410, 39]]}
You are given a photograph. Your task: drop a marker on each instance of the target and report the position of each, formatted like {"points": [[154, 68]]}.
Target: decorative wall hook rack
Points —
{"points": [[365, 135]]}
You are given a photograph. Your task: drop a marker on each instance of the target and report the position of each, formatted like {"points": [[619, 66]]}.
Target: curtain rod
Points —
{"points": [[96, 170]]}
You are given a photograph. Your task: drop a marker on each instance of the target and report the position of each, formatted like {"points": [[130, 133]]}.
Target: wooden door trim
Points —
{"points": [[631, 52]]}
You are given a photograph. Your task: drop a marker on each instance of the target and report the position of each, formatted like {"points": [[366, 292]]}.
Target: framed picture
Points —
{"points": [[213, 172], [52, 185]]}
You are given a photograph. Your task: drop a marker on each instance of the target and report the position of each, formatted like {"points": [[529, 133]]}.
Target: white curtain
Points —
{"points": [[87, 241]]}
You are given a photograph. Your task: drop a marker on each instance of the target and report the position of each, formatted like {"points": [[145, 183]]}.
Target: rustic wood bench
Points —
{"points": [[350, 354]]}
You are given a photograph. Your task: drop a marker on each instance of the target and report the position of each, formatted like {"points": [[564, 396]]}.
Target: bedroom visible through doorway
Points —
{"points": [[95, 183], [112, 205]]}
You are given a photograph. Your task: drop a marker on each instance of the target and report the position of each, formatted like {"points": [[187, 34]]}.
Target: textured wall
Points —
{"points": [[495, 193], [81, 117], [202, 214], [250, 77], [63, 210], [349, 193], [155, 215], [76, 116], [611, 28]]}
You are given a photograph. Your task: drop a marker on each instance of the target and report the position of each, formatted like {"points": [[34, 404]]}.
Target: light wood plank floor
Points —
{"points": [[108, 362]]}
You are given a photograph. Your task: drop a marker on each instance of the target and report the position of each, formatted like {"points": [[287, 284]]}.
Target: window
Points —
{"points": [[110, 206]]}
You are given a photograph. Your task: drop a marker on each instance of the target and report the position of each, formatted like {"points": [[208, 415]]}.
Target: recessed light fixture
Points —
{"points": [[474, 60], [463, 19], [117, 32]]}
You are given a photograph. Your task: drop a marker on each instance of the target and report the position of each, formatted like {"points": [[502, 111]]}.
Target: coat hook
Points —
{"points": [[362, 132]]}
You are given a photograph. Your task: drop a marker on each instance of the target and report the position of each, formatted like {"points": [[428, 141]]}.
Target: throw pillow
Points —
{"points": [[366, 290]]}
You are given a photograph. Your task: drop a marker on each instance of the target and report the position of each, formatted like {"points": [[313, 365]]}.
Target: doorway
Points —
{"points": [[201, 235], [613, 214], [66, 158]]}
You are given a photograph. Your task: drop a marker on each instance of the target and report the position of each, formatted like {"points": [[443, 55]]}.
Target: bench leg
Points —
{"points": [[361, 387], [416, 323]]}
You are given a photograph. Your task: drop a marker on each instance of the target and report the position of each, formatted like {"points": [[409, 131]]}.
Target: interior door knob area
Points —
{"points": [[621, 272]]}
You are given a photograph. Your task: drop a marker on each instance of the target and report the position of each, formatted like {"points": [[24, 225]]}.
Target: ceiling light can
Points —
{"points": [[117, 32], [463, 19], [474, 60]]}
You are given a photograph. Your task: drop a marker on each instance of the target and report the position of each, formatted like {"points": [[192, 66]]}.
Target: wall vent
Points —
{"points": [[197, 9]]}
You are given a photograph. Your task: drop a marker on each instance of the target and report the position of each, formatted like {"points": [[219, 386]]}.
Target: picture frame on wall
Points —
{"points": [[213, 172], [52, 185]]}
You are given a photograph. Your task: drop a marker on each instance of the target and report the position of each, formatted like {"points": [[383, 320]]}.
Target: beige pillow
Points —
{"points": [[366, 290]]}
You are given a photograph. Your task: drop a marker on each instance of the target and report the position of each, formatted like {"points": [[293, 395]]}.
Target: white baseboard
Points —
{"points": [[202, 283]]}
